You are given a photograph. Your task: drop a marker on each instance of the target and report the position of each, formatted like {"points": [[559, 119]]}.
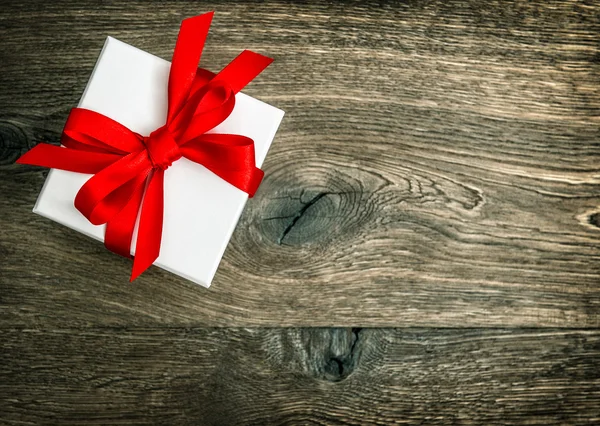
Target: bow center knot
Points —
{"points": [[162, 148]]}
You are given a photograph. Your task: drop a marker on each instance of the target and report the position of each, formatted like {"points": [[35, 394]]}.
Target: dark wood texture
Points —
{"points": [[438, 165], [438, 171], [321, 377]]}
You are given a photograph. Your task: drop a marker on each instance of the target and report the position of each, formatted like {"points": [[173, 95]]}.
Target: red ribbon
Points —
{"points": [[129, 168]]}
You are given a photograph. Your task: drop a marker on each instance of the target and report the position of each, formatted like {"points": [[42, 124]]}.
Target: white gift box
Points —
{"points": [[201, 210]]}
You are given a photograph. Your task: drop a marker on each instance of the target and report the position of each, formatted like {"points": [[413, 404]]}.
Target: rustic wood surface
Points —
{"points": [[437, 171], [313, 376], [439, 165]]}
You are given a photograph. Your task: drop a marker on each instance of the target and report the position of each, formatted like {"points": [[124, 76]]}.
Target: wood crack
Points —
{"points": [[347, 362], [300, 213]]}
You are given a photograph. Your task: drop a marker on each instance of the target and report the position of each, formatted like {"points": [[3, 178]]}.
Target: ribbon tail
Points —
{"points": [[119, 230], [151, 225], [243, 69], [72, 160], [188, 49]]}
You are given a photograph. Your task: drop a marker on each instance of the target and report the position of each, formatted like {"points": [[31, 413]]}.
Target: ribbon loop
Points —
{"points": [[129, 168], [162, 148], [206, 109]]}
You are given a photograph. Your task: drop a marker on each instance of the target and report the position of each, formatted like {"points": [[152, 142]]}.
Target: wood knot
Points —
{"points": [[329, 354], [343, 363], [315, 209], [302, 218], [313, 215], [13, 142], [590, 219], [594, 219]]}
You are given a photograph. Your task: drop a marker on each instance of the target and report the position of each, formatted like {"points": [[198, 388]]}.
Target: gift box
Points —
{"points": [[201, 209]]}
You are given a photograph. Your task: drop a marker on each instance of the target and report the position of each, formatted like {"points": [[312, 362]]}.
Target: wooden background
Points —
{"points": [[437, 171]]}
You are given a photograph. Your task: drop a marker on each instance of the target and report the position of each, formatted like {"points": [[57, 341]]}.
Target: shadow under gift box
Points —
{"points": [[201, 210]]}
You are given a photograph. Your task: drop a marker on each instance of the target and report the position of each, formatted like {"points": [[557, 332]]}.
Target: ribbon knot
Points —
{"points": [[162, 148], [128, 169]]}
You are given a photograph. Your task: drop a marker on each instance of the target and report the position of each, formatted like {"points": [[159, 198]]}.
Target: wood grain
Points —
{"points": [[438, 165], [291, 376]]}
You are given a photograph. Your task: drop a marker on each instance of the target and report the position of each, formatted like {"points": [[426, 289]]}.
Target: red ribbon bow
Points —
{"points": [[129, 168]]}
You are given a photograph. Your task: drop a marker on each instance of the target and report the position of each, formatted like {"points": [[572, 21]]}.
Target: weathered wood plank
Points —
{"points": [[275, 376], [438, 166]]}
